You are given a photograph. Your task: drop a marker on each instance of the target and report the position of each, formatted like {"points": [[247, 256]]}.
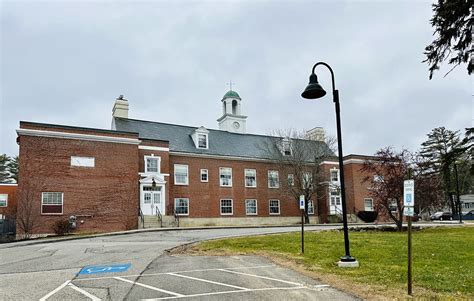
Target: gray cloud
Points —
{"points": [[65, 62]]}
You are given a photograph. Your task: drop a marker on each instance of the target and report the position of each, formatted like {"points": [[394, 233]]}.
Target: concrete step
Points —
{"points": [[151, 221]]}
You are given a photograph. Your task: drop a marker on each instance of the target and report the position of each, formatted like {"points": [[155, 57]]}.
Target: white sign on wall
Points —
{"points": [[302, 202]]}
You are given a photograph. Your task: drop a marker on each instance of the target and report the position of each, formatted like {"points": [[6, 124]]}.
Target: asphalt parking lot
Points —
{"points": [[198, 278]]}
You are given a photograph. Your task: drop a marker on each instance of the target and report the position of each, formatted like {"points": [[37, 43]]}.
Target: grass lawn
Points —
{"points": [[443, 259]]}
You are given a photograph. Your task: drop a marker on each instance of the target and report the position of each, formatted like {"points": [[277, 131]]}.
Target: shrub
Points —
{"points": [[61, 227], [367, 216]]}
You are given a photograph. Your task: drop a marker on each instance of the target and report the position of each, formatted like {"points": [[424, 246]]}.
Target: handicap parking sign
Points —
{"points": [[96, 269]]}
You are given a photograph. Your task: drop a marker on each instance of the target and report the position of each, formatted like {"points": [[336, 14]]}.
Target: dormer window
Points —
{"points": [[200, 138], [202, 141], [286, 147]]}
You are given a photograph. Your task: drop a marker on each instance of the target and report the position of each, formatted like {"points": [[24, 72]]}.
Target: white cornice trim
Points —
{"points": [[76, 136], [8, 184], [157, 148]]}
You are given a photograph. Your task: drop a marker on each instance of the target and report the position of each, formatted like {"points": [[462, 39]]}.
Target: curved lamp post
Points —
{"points": [[314, 91]]}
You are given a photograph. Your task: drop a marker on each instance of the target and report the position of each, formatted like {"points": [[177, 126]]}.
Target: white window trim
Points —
{"points": [[245, 177], [338, 175], [159, 164], [181, 214], [220, 170], [311, 213], [6, 200], [62, 203], [207, 175], [269, 205], [256, 207], [365, 207], [292, 176], [207, 141], [278, 178], [231, 207], [187, 174]]}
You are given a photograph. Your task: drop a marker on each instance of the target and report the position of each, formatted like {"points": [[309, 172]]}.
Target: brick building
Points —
{"points": [[7, 200], [117, 179]]}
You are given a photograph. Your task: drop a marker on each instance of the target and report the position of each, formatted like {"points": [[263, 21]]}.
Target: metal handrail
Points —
{"points": [[176, 217], [159, 216]]}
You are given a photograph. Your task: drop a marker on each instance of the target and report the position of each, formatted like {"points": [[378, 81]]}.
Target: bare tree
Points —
{"points": [[296, 155], [391, 168]]}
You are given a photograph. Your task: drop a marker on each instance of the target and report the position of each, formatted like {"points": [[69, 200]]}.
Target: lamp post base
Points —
{"points": [[348, 264]]}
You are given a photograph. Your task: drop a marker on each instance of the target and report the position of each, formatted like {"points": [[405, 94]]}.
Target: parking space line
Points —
{"points": [[80, 290], [208, 281], [230, 292], [185, 271], [54, 291], [150, 287], [263, 277]]}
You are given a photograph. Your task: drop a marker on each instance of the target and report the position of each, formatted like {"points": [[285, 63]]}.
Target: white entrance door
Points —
{"points": [[335, 205], [151, 200]]}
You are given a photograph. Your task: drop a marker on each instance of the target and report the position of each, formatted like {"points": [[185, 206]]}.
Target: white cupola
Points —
{"points": [[232, 119]]}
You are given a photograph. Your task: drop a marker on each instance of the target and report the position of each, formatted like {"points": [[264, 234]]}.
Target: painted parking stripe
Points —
{"points": [[54, 291], [150, 287], [208, 281], [263, 277], [87, 294], [231, 292], [185, 271]]}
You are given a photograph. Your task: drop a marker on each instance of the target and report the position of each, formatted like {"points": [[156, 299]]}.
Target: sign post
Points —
{"points": [[408, 211], [302, 222]]}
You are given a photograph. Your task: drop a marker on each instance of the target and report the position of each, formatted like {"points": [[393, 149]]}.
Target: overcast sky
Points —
{"points": [[65, 62]]}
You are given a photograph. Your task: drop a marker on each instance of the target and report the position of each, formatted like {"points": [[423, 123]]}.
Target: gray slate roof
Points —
{"points": [[221, 143]]}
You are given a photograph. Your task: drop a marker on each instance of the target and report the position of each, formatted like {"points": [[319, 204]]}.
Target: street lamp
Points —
{"points": [[314, 91]]}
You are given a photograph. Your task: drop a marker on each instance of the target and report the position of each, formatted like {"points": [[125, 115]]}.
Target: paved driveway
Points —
{"points": [[136, 266]]}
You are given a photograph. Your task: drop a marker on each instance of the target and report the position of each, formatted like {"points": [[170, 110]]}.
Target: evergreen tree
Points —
{"points": [[12, 168], [4, 174], [452, 24], [441, 151]]}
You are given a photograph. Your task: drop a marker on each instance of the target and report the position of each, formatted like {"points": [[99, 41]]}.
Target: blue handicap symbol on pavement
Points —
{"points": [[96, 269]]}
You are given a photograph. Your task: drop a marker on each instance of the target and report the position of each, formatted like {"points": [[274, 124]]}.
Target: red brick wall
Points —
{"points": [[204, 198], [357, 189], [108, 192], [10, 190]]}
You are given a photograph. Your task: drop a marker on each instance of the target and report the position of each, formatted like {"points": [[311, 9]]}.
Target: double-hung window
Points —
{"points": [[368, 204], [181, 206], [204, 175], [225, 176], [202, 141], [152, 164], [274, 207], [52, 203], [3, 200], [181, 174], [334, 175], [226, 207], [251, 207], [250, 178], [310, 207], [307, 180], [291, 180], [273, 181]]}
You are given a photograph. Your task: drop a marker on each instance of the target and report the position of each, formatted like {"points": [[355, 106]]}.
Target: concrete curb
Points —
{"points": [[74, 237]]}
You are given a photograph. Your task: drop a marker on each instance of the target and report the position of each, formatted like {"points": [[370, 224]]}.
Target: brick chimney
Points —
{"points": [[120, 107]]}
